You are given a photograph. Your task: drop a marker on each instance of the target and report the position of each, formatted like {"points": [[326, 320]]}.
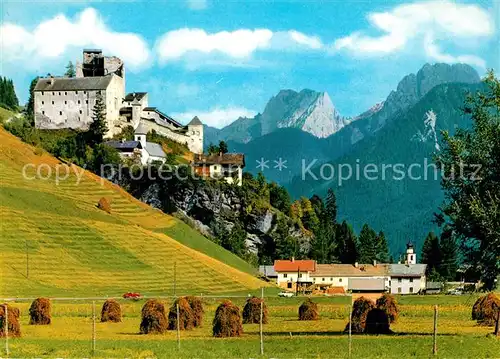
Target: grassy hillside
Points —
{"points": [[75, 249], [5, 114]]}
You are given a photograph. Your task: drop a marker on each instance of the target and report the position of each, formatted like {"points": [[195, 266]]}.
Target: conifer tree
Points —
{"points": [[97, 128], [29, 111], [346, 249], [285, 245], [382, 249], [431, 253], [223, 147], [331, 206], [368, 247], [70, 70]]}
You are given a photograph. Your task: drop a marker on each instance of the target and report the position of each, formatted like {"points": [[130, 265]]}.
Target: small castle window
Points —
{"points": [[80, 112], [59, 94], [84, 92], [340, 280], [60, 113], [52, 102], [78, 101], [76, 92], [53, 93], [87, 102], [65, 93], [43, 112], [42, 102], [42, 93], [65, 102]]}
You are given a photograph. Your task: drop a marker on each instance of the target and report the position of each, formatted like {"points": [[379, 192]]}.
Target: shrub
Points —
{"points": [[196, 305], [485, 310], [308, 310], [153, 320], [111, 311], [104, 205], [377, 322], [360, 309], [251, 311], [227, 321], [40, 311], [389, 305], [13, 321], [186, 316]]}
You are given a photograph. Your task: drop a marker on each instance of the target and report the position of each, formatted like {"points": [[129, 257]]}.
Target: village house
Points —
{"points": [[146, 152], [407, 278], [227, 166], [294, 273]]}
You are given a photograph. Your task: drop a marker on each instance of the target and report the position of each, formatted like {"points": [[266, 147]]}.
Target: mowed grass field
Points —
{"points": [[56, 242], [284, 337]]}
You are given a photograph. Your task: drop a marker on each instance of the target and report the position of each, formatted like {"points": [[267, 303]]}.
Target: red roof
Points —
{"points": [[294, 265]]}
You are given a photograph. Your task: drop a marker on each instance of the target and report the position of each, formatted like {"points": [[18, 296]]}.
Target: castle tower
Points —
{"points": [[411, 256], [195, 133]]}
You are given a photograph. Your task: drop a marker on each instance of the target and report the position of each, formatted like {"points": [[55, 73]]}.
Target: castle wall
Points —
{"points": [[64, 109], [73, 109], [114, 96], [164, 131]]}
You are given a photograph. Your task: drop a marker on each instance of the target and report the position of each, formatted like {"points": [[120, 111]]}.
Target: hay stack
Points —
{"points": [[308, 310], [197, 308], [485, 310], [251, 311], [13, 321], [154, 320], [389, 305], [377, 322], [227, 321], [111, 311], [360, 309], [104, 204], [186, 315], [40, 311]]}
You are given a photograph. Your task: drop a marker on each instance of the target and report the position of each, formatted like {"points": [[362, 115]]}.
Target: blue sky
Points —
{"points": [[223, 59]]}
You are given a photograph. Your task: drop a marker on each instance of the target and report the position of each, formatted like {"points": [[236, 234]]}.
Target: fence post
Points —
{"points": [[260, 323], [434, 347], [350, 329], [178, 328], [497, 324], [6, 330], [93, 328]]}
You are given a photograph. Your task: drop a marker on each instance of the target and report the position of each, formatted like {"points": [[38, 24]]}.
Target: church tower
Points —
{"points": [[411, 256]]}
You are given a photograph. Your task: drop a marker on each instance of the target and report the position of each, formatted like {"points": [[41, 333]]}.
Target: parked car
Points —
{"points": [[285, 294], [456, 291]]}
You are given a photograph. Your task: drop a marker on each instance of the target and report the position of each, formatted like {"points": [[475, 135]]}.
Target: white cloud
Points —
{"points": [[216, 117], [436, 53], [421, 20], [313, 42], [53, 38], [197, 4], [237, 44]]}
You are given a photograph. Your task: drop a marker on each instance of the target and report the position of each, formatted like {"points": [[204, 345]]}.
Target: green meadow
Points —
{"points": [[70, 334]]}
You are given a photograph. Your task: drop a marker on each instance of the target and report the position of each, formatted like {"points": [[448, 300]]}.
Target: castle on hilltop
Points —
{"points": [[63, 102]]}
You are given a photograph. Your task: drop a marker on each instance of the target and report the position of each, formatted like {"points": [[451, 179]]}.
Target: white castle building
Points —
{"points": [[62, 102]]}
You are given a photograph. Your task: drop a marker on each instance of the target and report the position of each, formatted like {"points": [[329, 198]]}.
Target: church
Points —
{"points": [[63, 102]]}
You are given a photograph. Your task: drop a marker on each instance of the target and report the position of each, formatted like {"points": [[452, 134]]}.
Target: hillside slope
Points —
{"points": [[75, 249]]}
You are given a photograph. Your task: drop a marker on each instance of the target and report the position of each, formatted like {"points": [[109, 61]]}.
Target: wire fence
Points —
{"points": [[86, 307]]}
